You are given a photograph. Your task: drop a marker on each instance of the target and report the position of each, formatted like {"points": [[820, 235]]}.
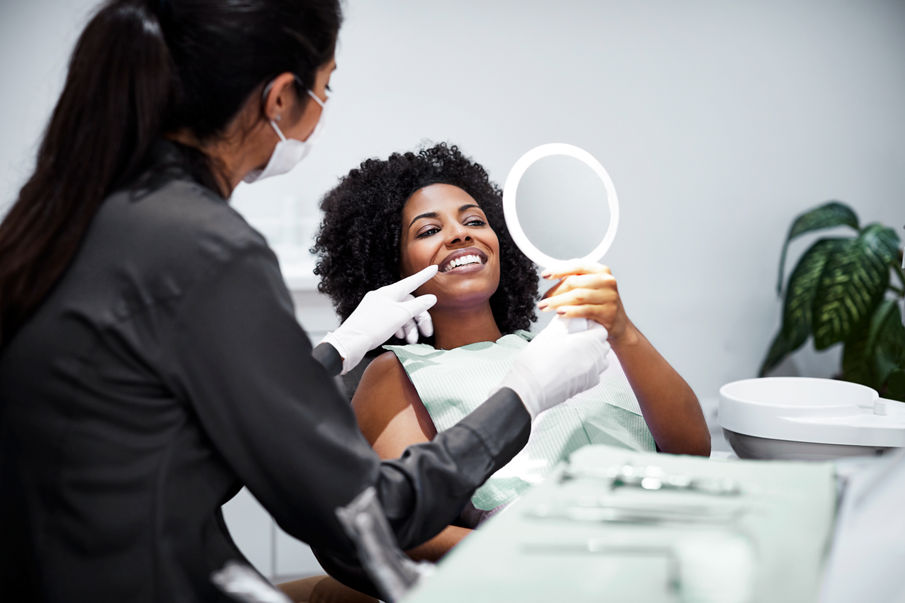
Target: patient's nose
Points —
{"points": [[457, 234]]}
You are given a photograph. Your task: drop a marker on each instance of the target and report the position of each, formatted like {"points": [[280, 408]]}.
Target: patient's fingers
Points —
{"points": [[581, 281], [575, 297], [589, 311], [565, 268], [584, 284], [594, 296], [552, 290], [597, 280], [610, 315]]}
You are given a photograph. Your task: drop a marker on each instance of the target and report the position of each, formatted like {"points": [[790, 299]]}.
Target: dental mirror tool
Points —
{"points": [[560, 203]]}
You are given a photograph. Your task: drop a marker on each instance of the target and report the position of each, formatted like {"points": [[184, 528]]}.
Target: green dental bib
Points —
{"points": [[452, 383]]}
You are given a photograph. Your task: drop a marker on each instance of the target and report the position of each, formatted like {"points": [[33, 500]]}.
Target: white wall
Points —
{"points": [[718, 121], [36, 38]]}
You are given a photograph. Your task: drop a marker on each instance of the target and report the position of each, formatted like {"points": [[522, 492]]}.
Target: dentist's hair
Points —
{"points": [[142, 68], [358, 244]]}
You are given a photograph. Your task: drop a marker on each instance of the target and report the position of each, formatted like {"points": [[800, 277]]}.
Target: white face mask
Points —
{"points": [[289, 152]]}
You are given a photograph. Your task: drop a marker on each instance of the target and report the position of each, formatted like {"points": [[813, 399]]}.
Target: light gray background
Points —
{"points": [[718, 121]]}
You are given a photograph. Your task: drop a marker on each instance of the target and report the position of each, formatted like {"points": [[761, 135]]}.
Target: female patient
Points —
{"points": [[388, 219]]}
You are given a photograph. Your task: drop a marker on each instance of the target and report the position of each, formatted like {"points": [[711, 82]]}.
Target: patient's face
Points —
{"points": [[443, 225]]}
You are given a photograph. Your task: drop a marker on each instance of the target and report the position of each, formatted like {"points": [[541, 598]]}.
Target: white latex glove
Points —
{"points": [[381, 313], [557, 364]]}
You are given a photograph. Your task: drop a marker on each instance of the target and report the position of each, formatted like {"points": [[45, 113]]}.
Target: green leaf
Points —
{"points": [[882, 242], [802, 289], [872, 352], [852, 283], [857, 363], [887, 340], [895, 385], [830, 214], [779, 349]]}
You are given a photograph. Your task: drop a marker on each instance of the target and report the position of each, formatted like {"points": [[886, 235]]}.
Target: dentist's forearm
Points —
{"points": [[669, 405]]}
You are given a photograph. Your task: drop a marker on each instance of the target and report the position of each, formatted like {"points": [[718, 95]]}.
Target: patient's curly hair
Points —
{"points": [[357, 244]]}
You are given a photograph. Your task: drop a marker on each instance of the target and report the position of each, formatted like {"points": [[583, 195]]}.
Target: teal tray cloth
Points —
{"points": [[772, 551]]}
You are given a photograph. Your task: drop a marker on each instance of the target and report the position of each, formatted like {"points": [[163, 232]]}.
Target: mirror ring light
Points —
{"points": [[510, 211]]}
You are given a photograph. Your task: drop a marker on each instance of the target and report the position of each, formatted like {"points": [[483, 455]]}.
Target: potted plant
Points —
{"points": [[845, 290]]}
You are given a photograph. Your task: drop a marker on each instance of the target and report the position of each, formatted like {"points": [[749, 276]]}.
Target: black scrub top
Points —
{"points": [[165, 371]]}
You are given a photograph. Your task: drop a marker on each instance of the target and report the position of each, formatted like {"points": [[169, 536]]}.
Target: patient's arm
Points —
{"points": [[392, 418], [670, 407]]}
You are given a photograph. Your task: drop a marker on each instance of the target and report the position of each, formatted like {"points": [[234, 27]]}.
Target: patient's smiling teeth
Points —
{"points": [[461, 261]]}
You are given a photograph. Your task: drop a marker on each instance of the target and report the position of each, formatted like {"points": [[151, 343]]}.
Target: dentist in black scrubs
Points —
{"points": [[151, 362]]}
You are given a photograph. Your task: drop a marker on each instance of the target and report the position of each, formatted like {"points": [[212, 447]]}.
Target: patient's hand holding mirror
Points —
{"points": [[560, 204]]}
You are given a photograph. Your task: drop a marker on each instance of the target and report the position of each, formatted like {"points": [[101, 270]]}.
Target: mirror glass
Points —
{"points": [[560, 204]]}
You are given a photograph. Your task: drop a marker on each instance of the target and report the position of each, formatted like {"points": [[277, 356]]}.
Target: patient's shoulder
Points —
{"points": [[388, 408], [385, 366], [384, 376]]}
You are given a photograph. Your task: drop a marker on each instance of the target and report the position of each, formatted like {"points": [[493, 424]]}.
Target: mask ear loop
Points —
{"points": [[317, 99], [273, 124], [266, 91]]}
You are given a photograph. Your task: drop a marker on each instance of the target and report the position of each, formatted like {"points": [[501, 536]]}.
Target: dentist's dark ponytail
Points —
{"points": [[139, 69], [110, 110]]}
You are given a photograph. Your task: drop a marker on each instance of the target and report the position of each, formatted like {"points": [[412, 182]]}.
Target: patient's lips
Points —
{"points": [[464, 260]]}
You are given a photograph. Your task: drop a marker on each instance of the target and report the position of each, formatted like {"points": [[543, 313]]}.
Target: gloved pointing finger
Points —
{"points": [[403, 287], [382, 312]]}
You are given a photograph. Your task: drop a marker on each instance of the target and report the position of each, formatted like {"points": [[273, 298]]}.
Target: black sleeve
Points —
{"points": [[328, 358], [244, 364]]}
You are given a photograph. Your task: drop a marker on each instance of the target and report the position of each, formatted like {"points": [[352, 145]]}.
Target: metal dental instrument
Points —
{"points": [[655, 478], [609, 512]]}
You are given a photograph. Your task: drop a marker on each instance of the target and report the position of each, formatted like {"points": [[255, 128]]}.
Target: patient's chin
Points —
{"points": [[465, 294]]}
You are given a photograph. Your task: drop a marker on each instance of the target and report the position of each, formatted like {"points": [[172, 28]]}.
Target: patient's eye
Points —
{"points": [[475, 222], [432, 230]]}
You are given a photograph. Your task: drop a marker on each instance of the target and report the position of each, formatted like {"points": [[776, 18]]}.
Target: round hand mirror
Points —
{"points": [[560, 203]]}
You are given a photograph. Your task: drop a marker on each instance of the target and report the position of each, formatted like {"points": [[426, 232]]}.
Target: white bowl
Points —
{"points": [[808, 419]]}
